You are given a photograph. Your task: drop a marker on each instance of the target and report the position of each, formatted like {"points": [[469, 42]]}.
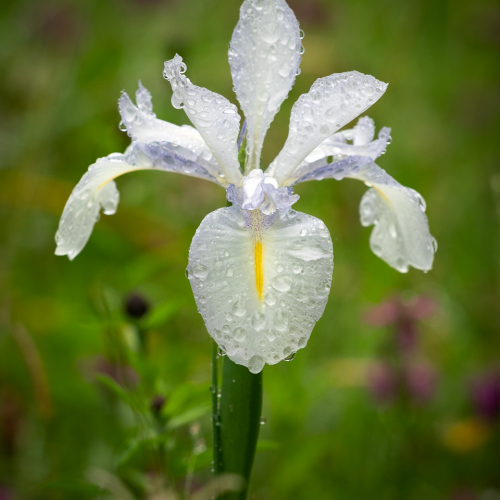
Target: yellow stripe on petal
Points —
{"points": [[259, 270], [260, 284]]}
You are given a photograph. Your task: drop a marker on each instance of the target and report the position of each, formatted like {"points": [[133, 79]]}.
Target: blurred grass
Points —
{"points": [[63, 66]]}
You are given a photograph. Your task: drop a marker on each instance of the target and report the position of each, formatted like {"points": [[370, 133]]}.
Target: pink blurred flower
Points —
{"points": [[485, 395], [403, 314]]}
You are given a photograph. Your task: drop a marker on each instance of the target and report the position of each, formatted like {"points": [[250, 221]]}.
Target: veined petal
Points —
{"points": [[401, 235], [143, 127], [215, 118], [264, 56], [336, 148], [260, 282], [331, 103], [97, 189]]}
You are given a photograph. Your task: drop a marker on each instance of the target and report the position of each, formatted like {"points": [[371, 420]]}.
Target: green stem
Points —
{"points": [[239, 423], [215, 409]]}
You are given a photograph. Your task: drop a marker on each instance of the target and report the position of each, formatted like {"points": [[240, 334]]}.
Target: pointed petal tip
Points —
{"points": [[174, 67]]}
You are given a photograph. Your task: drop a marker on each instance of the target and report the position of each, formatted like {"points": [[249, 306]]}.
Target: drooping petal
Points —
{"points": [[335, 148], [215, 118], [260, 282], [97, 189], [401, 235], [331, 103], [264, 56], [143, 127]]}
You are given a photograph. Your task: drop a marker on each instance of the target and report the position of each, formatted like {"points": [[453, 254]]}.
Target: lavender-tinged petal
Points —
{"points": [[336, 146], [97, 189], [331, 103], [144, 128]]}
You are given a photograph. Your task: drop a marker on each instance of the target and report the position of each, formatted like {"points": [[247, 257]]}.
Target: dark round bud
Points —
{"points": [[157, 403], [136, 305]]}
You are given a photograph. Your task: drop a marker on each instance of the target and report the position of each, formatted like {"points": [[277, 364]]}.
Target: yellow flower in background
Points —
{"points": [[259, 270]]}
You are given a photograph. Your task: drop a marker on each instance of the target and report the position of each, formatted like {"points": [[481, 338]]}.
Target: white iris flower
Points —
{"points": [[260, 271]]}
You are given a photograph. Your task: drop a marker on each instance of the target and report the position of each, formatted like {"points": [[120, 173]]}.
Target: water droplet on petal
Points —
{"points": [[239, 334], [255, 364], [200, 271]]}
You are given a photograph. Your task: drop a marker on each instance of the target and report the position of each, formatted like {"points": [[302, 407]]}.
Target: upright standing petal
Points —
{"points": [[401, 236], [331, 103], [215, 118], [264, 56], [260, 282]]}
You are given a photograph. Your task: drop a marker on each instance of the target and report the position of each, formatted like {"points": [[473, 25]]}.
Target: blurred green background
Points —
{"points": [[104, 361]]}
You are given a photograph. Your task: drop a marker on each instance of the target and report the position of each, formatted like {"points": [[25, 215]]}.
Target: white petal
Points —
{"points": [[97, 189], [331, 103], [335, 148], [260, 309], [215, 118], [264, 56], [143, 127], [401, 235]]}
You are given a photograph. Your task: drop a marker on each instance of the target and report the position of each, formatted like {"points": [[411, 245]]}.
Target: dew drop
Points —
{"points": [[270, 299], [258, 321], [270, 335], [239, 334], [302, 342], [282, 283], [238, 308], [255, 364], [200, 271]]}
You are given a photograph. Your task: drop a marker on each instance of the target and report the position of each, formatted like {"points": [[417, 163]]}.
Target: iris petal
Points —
{"points": [[336, 148], [215, 118], [331, 103], [260, 282], [401, 235], [264, 56]]}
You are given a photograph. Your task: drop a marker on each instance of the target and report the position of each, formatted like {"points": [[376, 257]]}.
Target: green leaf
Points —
{"points": [[117, 389], [188, 416]]}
